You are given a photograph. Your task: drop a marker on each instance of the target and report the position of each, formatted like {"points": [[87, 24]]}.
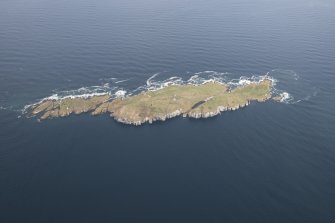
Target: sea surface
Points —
{"points": [[268, 162]]}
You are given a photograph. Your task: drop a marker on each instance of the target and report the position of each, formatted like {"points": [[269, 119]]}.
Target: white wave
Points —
{"points": [[88, 95], [113, 80], [205, 72], [120, 93], [202, 78], [249, 80], [27, 107], [196, 79], [244, 82], [285, 97], [121, 81], [83, 92], [156, 85], [150, 78]]}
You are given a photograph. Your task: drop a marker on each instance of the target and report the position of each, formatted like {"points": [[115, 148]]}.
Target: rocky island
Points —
{"points": [[196, 101]]}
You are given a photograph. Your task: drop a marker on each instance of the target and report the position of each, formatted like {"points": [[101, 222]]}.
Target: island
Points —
{"points": [[187, 100]]}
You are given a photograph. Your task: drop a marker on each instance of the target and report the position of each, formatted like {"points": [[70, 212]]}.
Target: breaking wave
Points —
{"points": [[120, 93], [150, 78], [285, 97]]}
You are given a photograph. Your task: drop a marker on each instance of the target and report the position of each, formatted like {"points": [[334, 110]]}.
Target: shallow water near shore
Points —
{"points": [[268, 162]]}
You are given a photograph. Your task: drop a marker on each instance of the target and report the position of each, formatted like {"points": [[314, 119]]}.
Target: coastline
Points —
{"points": [[204, 100]]}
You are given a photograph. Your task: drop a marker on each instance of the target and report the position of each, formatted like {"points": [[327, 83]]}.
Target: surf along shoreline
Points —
{"points": [[170, 99]]}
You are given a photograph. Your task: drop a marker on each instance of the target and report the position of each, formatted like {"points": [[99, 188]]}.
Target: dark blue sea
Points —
{"points": [[268, 162]]}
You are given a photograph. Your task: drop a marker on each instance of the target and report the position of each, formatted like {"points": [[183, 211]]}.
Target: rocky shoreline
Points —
{"points": [[199, 101], [195, 115]]}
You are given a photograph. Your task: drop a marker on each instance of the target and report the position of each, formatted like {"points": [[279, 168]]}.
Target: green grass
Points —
{"points": [[157, 104], [154, 104]]}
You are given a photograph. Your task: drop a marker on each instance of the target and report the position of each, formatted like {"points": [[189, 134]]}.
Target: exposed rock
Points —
{"points": [[195, 101]]}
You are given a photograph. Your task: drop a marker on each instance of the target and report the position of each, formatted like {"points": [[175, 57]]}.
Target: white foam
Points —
{"points": [[157, 85], [121, 81], [195, 79], [286, 97], [250, 80], [205, 72], [120, 93], [202, 78], [150, 78], [244, 82], [27, 107], [154, 85], [88, 95], [83, 92]]}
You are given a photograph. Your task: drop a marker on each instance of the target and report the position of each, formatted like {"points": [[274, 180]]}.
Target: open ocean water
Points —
{"points": [[268, 162]]}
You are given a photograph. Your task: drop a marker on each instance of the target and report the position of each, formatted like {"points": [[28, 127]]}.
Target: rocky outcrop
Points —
{"points": [[191, 114], [53, 108], [215, 112], [194, 101], [149, 120]]}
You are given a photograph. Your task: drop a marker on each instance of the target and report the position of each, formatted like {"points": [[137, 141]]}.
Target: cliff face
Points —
{"points": [[191, 114], [195, 101]]}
